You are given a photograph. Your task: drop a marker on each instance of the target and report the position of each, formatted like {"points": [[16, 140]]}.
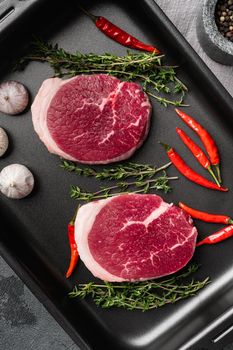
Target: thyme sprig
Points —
{"points": [[143, 179], [144, 295], [118, 172], [147, 68], [123, 187]]}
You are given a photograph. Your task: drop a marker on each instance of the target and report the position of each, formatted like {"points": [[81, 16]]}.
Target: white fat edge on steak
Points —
{"points": [[39, 110], [83, 224]]}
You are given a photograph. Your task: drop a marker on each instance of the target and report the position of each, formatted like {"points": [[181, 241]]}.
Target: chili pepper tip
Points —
{"points": [[199, 243], [181, 205], [68, 274], [223, 189], [158, 52]]}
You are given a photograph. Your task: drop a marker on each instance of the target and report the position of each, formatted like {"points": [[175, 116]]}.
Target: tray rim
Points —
{"points": [[152, 9]]}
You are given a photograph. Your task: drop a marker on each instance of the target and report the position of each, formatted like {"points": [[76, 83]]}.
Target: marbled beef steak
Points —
{"points": [[134, 237], [95, 119]]}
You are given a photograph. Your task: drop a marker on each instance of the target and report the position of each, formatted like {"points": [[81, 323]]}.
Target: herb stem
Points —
{"points": [[145, 68], [159, 183], [139, 171], [145, 295], [69, 61], [181, 83], [144, 178], [149, 172], [166, 102], [155, 85]]}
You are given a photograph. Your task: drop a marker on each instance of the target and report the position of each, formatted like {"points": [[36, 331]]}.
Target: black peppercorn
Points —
{"points": [[224, 18]]}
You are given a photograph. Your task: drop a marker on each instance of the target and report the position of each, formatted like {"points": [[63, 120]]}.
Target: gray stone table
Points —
{"points": [[24, 322]]}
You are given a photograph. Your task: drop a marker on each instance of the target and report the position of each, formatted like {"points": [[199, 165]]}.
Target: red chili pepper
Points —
{"points": [[119, 35], [207, 217], [73, 248], [205, 137], [197, 152], [218, 236], [184, 169]]}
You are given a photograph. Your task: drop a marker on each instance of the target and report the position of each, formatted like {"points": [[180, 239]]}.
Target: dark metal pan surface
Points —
{"points": [[33, 231]]}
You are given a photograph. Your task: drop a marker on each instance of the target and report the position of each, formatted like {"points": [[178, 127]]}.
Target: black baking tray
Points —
{"points": [[32, 231]]}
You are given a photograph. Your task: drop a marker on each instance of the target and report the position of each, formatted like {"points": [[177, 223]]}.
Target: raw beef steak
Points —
{"points": [[95, 119], [134, 237]]}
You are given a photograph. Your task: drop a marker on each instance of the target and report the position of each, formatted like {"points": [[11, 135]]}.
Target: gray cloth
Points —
{"points": [[183, 13]]}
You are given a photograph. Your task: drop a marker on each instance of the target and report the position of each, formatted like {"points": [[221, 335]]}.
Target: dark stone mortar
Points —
{"points": [[217, 47]]}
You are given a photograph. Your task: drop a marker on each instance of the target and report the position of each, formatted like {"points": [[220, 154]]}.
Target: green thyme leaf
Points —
{"points": [[144, 295], [156, 78]]}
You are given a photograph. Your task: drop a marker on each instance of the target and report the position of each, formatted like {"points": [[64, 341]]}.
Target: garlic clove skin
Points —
{"points": [[14, 97], [16, 181], [4, 142]]}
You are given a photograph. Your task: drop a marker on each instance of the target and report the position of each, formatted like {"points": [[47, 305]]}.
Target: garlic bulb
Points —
{"points": [[14, 97], [16, 181], [4, 142]]}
